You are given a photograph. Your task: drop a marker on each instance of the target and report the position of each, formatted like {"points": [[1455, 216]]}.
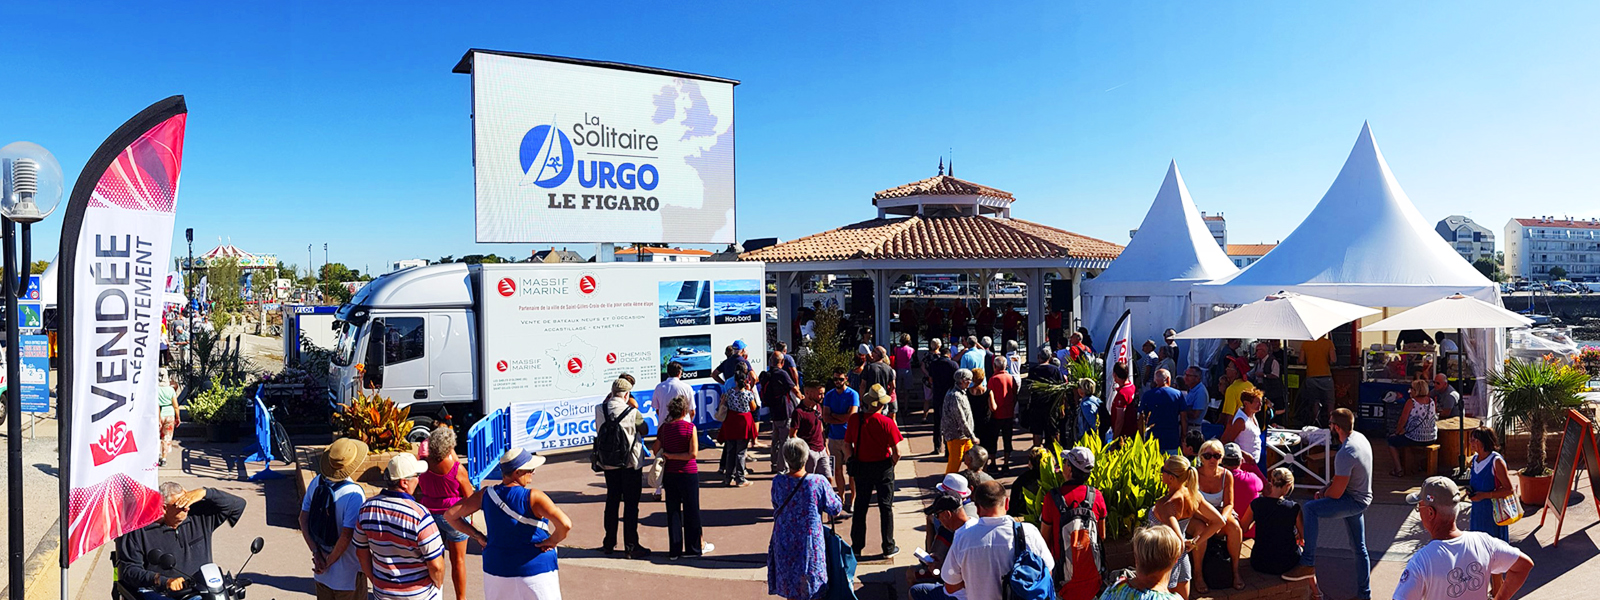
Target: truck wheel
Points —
{"points": [[420, 428]]}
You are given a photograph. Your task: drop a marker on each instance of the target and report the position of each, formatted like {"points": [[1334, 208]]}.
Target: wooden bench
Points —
{"points": [[1430, 457]]}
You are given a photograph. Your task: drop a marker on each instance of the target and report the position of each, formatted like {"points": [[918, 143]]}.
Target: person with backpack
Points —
{"points": [[998, 553], [440, 487], [1073, 519], [328, 515], [619, 455]]}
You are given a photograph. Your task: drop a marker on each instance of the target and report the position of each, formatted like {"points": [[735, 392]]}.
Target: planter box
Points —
{"points": [[1118, 554]]}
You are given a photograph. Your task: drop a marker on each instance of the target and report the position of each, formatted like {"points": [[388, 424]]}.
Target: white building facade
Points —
{"points": [[1536, 246], [1470, 239]]}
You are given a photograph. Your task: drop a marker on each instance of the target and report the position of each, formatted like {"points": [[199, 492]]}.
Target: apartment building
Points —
{"points": [[1535, 246], [1471, 240]]}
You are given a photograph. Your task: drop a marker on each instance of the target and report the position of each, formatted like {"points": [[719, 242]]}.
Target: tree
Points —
{"points": [[39, 266], [1557, 272], [336, 273], [225, 279], [1489, 269], [826, 353]]}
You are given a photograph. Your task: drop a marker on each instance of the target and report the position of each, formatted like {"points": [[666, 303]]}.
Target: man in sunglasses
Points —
{"points": [[1457, 565], [837, 405]]}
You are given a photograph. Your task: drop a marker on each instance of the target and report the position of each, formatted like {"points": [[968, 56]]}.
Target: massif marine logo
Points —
{"points": [[588, 284], [501, 366], [116, 441], [575, 365], [541, 424], [507, 287], [611, 358]]}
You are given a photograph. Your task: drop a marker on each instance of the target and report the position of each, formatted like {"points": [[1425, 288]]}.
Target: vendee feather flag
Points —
{"points": [[115, 244], [1119, 348]]}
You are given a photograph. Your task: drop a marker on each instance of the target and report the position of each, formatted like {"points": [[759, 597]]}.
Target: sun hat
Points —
{"points": [[1436, 492], [342, 458], [404, 466], [1080, 458], [621, 386], [954, 483], [875, 397], [519, 459], [943, 502]]}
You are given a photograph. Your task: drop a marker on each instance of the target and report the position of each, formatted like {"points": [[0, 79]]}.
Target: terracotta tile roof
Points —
{"points": [[1250, 249], [1566, 223], [938, 238], [942, 185], [677, 251]]}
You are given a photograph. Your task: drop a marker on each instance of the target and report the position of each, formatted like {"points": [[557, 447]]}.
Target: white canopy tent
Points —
{"points": [[1171, 252], [1366, 244]]}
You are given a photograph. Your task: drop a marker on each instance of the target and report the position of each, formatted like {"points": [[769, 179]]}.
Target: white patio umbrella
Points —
{"points": [[1281, 316], [1453, 312]]}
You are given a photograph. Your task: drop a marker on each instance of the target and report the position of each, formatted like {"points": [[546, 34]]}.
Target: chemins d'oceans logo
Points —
{"points": [[548, 160], [541, 424]]}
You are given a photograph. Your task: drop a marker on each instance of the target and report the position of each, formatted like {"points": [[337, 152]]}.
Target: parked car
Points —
{"points": [[1564, 287], [1013, 288]]}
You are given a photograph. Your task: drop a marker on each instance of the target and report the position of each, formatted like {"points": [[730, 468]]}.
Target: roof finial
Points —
{"points": [[952, 162], [941, 165]]}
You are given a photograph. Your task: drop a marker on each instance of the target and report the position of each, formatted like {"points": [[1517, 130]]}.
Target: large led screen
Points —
{"points": [[573, 152]]}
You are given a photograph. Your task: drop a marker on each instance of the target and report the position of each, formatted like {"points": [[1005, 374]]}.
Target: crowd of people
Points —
{"points": [[835, 441]]}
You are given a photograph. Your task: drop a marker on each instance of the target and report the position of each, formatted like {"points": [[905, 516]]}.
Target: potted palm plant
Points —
{"points": [[1536, 393]]}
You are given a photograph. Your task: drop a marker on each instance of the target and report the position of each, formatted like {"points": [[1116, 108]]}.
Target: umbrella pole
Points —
{"points": [[1461, 411]]}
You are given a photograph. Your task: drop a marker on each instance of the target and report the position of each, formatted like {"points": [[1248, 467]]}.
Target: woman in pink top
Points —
{"points": [[902, 359], [440, 487]]}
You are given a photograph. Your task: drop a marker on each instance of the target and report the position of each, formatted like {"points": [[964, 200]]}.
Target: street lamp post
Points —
{"points": [[188, 365], [32, 187]]}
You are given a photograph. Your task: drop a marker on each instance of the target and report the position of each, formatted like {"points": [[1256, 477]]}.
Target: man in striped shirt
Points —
{"points": [[396, 540]]}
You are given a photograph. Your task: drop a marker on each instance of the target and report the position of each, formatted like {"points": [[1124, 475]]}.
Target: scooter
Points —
{"points": [[209, 583]]}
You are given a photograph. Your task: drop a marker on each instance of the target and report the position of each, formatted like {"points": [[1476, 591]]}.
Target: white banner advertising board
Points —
{"points": [[554, 338], [579, 151]]}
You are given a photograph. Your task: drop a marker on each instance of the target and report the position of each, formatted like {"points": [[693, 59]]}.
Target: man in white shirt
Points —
{"points": [[671, 387], [1457, 565], [981, 553]]}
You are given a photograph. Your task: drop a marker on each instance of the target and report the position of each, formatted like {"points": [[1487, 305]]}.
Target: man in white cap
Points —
{"points": [[1457, 565], [397, 542]]}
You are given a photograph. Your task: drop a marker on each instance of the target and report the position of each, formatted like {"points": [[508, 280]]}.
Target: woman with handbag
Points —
{"points": [[1494, 504], [797, 567], [738, 429]]}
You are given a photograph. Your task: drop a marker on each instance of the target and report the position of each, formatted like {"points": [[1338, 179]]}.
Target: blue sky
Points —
{"points": [[341, 123]]}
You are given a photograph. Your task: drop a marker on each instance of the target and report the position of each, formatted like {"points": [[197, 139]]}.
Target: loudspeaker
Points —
{"points": [[861, 296], [1061, 294]]}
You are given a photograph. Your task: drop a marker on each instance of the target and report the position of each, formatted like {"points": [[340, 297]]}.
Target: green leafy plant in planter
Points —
{"points": [[376, 421], [1537, 393], [219, 404], [1128, 472]]}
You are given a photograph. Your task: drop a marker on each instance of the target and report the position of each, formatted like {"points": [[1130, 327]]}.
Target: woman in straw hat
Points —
{"points": [[524, 528]]}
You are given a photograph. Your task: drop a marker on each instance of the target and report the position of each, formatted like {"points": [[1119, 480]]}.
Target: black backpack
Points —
{"points": [[323, 518], [612, 449]]}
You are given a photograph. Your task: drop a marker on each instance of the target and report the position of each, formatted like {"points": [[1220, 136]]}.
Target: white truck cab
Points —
{"points": [[411, 336]]}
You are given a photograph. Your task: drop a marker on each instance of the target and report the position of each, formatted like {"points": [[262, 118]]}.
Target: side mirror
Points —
{"points": [[255, 546]]}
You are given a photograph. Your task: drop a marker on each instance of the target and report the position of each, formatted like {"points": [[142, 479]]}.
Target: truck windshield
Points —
{"points": [[344, 350]]}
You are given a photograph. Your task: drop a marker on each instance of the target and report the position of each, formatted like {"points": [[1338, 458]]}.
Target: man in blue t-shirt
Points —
{"points": [[1166, 412], [837, 406]]}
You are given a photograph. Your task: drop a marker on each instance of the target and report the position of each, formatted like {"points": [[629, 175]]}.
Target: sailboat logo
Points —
{"points": [[546, 156]]}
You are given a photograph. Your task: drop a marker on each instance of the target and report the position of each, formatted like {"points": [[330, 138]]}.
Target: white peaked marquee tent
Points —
{"points": [[1366, 244], [1171, 252]]}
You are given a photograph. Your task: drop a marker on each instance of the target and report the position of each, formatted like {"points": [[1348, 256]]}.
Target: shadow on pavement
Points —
{"points": [[285, 583], [1550, 562]]}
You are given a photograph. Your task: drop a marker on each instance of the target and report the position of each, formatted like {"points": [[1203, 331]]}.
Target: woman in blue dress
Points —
{"points": [[524, 528], [797, 566], [1490, 480]]}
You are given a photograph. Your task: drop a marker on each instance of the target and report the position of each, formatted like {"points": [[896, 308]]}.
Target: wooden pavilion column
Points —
{"points": [[786, 306], [881, 315]]}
